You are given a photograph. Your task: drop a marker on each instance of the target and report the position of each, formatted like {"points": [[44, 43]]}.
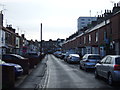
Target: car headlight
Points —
{"points": [[18, 67]]}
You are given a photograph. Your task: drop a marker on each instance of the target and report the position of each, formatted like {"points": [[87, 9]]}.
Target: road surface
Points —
{"points": [[63, 75]]}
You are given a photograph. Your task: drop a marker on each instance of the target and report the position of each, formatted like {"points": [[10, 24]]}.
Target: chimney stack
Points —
{"points": [[1, 18], [23, 36], [116, 8]]}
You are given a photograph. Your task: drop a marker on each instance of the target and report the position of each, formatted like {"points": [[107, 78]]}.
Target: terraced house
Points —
{"points": [[102, 37], [12, 42]]}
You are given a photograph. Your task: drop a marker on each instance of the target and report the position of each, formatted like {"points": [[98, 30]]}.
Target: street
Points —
{"points": [[64, 75], [53, 72], [44, 39]]}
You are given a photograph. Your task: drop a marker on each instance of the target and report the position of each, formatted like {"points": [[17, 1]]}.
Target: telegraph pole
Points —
{"points": [[41, 41]]}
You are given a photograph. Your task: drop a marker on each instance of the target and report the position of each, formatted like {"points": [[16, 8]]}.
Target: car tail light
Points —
{"points": [[117, 67]]}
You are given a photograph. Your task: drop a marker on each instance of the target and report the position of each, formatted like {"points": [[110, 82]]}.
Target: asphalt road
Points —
{"points": [[63, 75], [56, 73]]}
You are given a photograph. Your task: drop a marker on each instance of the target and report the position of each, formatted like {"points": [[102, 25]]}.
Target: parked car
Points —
{"points": [[89, 61], [18, 68], [109, 68], [62, 55], [57, 53], [34, 58], [73, 58], [17, 59], [67, 54]]}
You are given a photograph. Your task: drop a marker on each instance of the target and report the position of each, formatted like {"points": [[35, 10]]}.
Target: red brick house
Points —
{"points": [[103, 38]]}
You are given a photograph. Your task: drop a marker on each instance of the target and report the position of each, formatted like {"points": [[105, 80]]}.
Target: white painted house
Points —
{"points": [[2, 41]]}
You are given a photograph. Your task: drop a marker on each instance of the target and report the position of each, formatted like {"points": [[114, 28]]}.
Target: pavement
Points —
{"points": [[34, 79]]}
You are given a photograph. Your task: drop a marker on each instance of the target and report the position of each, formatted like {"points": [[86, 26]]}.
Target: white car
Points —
{"points": [[109, 68], [89, 61]]}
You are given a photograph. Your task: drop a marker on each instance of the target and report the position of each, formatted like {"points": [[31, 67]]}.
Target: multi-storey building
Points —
{"points": [[2, 41], [84, 21]]}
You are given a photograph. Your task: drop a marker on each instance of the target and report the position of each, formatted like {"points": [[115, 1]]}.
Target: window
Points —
{"points": [[82, 19], [82, 22], [84, 39], [89, 38], [103, 60], [105, 35], [6, 57], [89, 20], [117, 60], [85, 56], [108, 60], [96, 38], [94, 57], [80, 41], [2, 38]]}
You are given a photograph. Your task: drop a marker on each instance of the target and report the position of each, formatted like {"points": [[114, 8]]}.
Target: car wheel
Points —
{"points": [[96, 74], [110, 79], [86, 69], [80, 66]]}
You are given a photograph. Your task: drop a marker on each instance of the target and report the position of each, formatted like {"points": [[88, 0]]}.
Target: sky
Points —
{"points": [[58, 17]]}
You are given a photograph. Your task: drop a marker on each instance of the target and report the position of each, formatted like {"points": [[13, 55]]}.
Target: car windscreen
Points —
{"points": [[5, 57], [94, 57], [32, 53], [75, 58], [117, 60]]}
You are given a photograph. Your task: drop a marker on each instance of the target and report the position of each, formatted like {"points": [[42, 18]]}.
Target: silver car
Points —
{"points": [[109, 68], [73, 58], [89, 61]]}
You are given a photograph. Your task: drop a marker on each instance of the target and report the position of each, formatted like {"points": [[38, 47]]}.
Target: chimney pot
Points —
{"points": [[117, 4], [105, 10], [102, 15], [114, 4], [23, 36]]}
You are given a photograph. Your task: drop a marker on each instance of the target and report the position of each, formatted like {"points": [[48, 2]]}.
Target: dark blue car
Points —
{"points": [[18, 68]]}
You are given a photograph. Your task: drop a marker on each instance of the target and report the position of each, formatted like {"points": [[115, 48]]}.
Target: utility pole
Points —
{"points": [[112, 2], [90, 13], [41, 41]]}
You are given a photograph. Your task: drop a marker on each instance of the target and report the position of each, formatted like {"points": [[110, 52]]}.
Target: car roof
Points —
{"points": [[114, 56], [76, 55], [10, 54], [92, 54]]}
